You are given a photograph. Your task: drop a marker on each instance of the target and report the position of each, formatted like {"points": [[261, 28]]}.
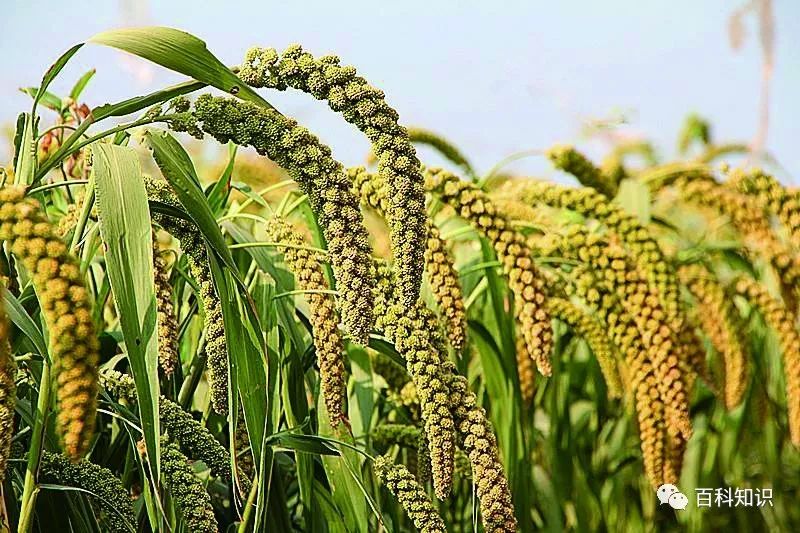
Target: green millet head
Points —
{"points": [[187, 490], [110, 496], [194, 439], [363, 106], [193, 245], [118, 384], [592, 331], [410, 331], [409, 494], [440, 270], [395, 375], [305, 265], [244, 455], [568, 159], [782, 322], [423, 457], [167, 320], [8, 393], [403, 435], [447, 149], [695, 129], [478, 440], [524, 279], [66, 309], [322, 178]]}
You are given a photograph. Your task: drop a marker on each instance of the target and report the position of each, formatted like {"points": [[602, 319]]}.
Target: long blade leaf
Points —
{"points": [[126, 232], [182, 52]]}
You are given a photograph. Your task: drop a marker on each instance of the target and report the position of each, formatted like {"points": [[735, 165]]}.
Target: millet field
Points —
{"points": [[264, 340]]}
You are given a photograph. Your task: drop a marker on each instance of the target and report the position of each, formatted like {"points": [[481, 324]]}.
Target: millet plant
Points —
{"points": [[265, 340]]}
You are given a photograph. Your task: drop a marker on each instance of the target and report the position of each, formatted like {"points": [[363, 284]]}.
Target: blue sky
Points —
{"points": [[495, 79]]}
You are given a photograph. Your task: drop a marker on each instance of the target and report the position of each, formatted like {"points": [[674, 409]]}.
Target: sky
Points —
{"points": [[495, 78]]}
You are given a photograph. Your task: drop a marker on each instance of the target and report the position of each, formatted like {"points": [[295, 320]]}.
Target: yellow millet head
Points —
{"points": [[570, 160], [749, 218], [410, 331], [652, 425], [439, 266], [193, 245], [309, 162], [642, 303], [771, 195], [592, 331], [719, 319], [168, 357], [512, 250], [66, 308], [8, 393], [365, 107], [643, 383], [409, 494], [782, 322], [446, 288], [637, 239], [526, 371], [309, 276]]}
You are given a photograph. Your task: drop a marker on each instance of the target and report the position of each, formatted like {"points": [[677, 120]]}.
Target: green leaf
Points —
{"points": [[351, 498], [25, 165], [81, 84], [137, 103], [302, 442], [54, 71], [20, 317], [47, 99], [179, 170], [246, 356], [118, 109], [221, 190], [126, 232], [634, 197], [182, 52]]}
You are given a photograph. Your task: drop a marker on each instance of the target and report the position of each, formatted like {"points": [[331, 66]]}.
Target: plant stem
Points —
{"points": [[30, 489], [248, 506]]}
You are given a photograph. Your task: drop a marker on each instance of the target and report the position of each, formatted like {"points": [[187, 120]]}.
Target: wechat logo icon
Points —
{"points": [[670, 495]]}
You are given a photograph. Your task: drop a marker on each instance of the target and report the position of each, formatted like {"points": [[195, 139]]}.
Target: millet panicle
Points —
{"points": [[321, 177], [365, 107], [66, 309]]}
